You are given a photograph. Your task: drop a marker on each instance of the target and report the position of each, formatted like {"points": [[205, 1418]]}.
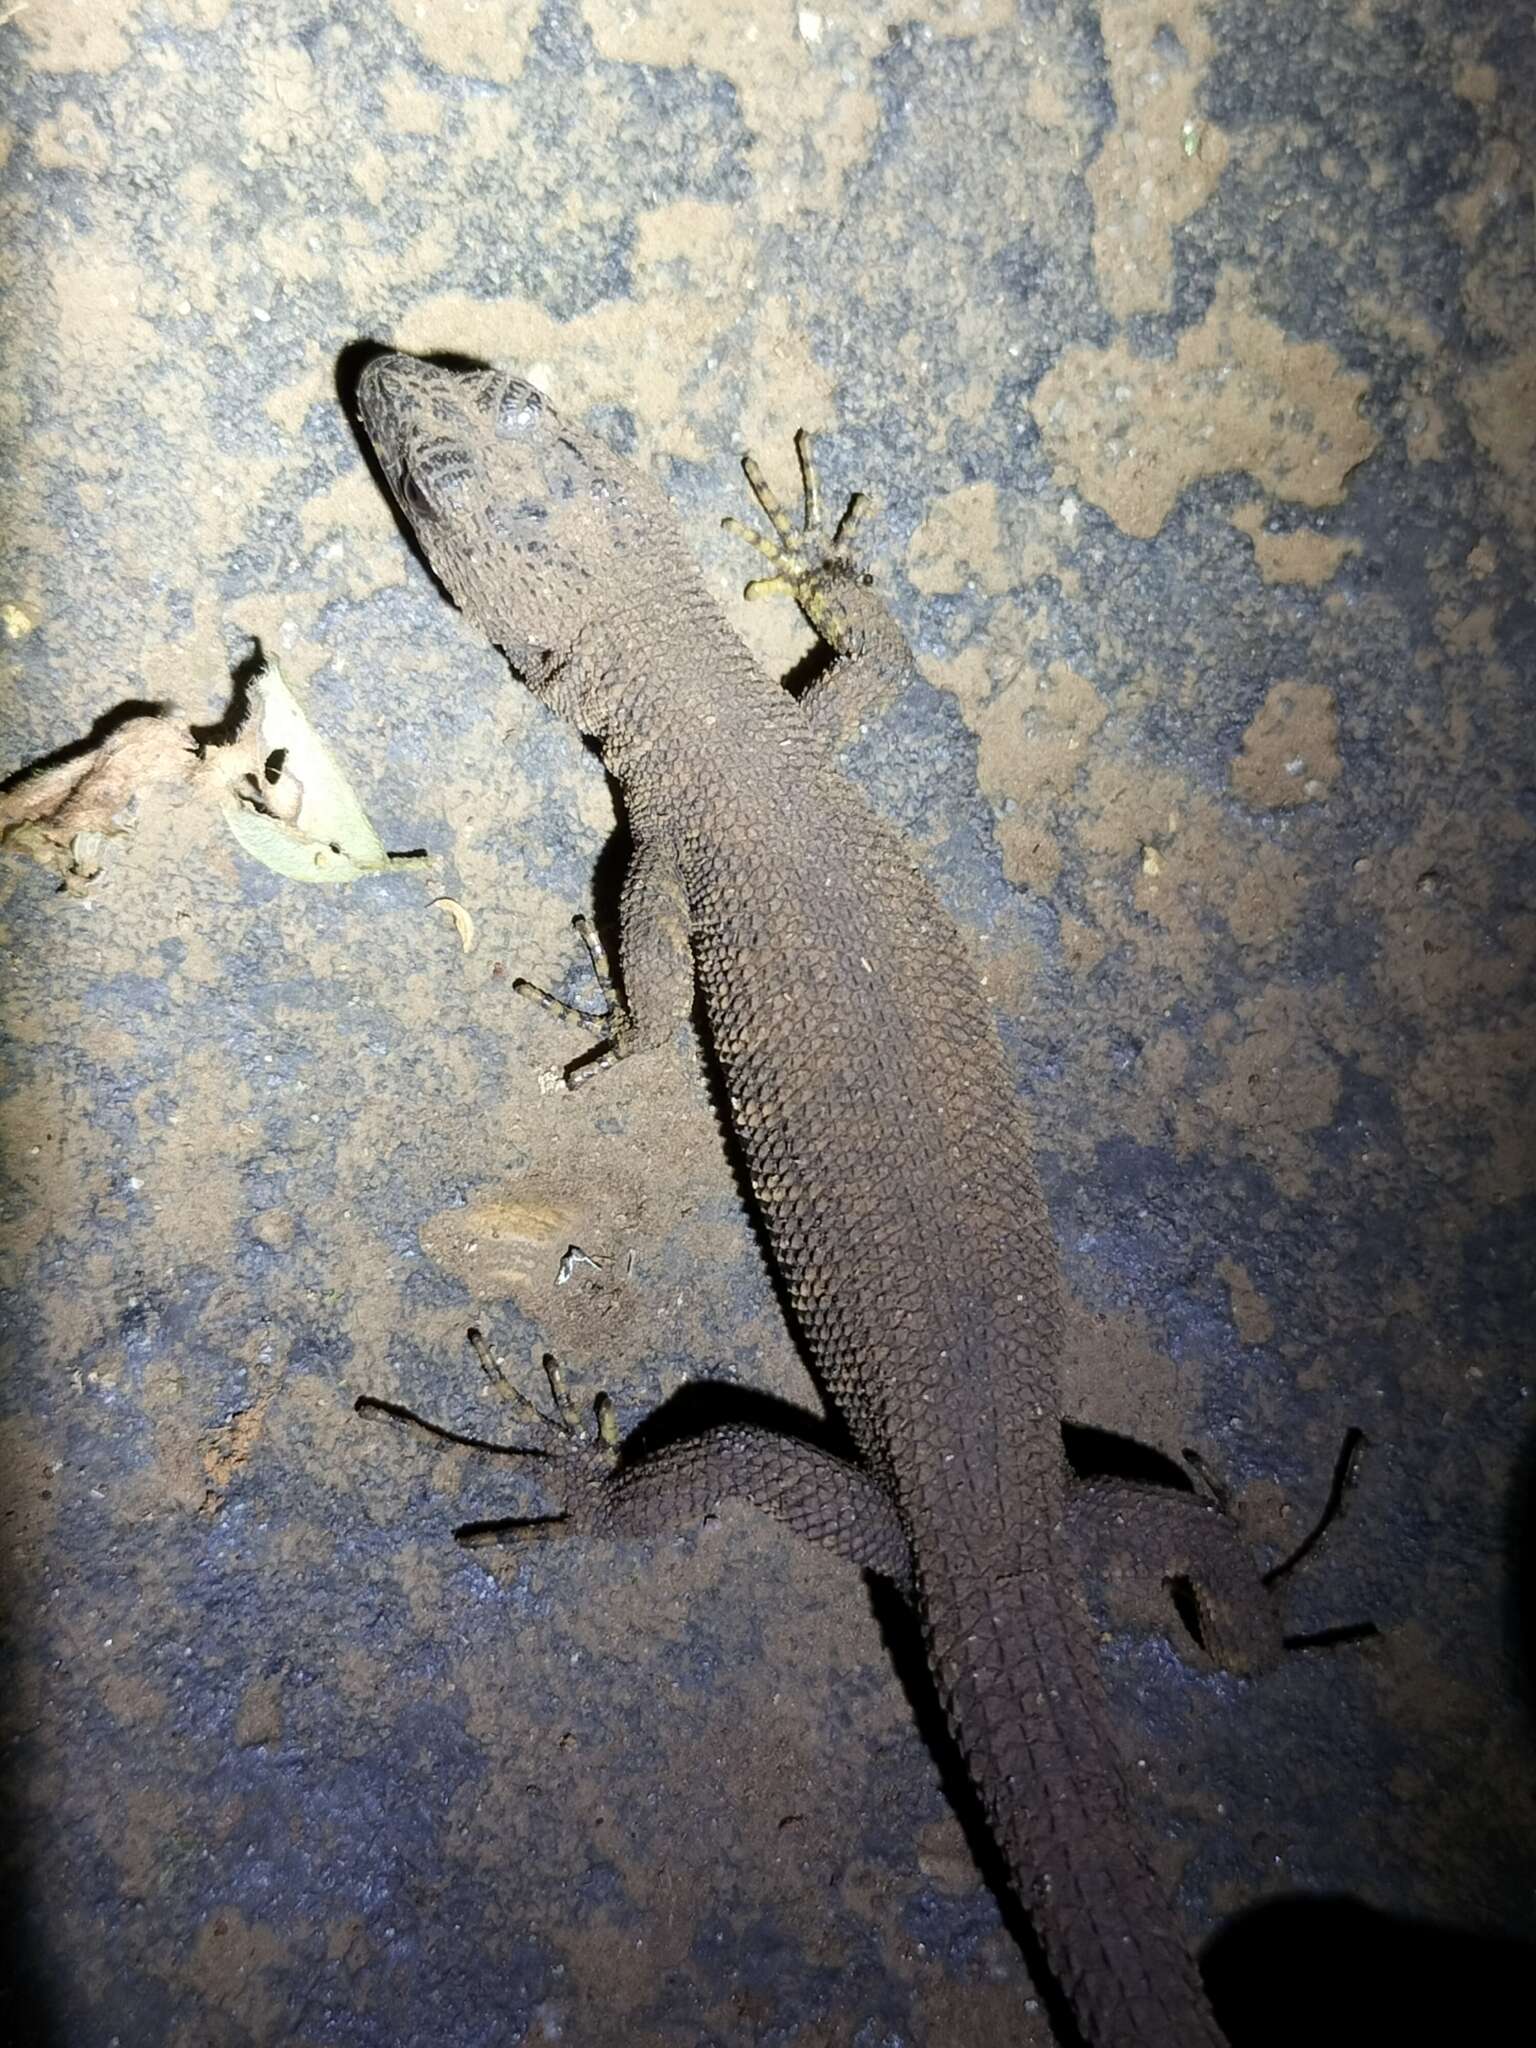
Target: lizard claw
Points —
{"points": [[1346, 1468], [611, 1025], [801, 556], [586, 1454], [1345, 1471], [587, 1458], [564, 1430]]}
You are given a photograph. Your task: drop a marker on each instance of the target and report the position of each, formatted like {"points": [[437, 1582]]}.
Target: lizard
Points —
{"points": [[888, 1151]]}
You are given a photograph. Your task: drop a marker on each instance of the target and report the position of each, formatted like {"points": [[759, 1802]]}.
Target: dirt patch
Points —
{"points": [[1239, 394], [1290, 750]]}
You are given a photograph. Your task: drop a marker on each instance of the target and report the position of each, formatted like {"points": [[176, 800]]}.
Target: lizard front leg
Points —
{"points": [[655, 960], [819, 571]]}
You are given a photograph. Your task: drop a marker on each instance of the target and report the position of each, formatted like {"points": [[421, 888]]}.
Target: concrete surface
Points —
{"points": [[1187, 349]]}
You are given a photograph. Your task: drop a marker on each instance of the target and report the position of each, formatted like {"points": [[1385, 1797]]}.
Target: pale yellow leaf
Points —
{"points": [[296, 811]]}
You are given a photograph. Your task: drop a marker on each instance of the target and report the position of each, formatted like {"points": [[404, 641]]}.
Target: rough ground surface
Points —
{"points": [[1188, 350]]}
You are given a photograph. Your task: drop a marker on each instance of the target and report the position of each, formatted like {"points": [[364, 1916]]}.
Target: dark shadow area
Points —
{"points": [[1520, 1580], [219, 732], [1333, 1973], [704, 1405], [101, 730], [231, 720], [25, 1965], [354, 358], [29, 2020], [1101, 1454], [809, 669], [608, 873], [351, 362]]}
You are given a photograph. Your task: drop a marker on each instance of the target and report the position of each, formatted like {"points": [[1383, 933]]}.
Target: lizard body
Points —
{"points": [[886, 1145]]}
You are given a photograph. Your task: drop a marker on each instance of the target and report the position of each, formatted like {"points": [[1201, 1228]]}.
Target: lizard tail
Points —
{"points": [[1016, 1666]]}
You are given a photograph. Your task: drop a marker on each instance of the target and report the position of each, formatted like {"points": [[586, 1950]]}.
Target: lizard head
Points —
{"points": [[536, 528]]}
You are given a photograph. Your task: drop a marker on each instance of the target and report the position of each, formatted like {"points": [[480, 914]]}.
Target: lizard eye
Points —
{"points": [[437, 483], [414, 498]]}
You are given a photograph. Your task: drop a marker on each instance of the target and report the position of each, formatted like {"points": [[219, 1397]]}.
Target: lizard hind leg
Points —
{"points": [[579, 1458], [1131, 1533], [627, 1493], [1193, 1545]]}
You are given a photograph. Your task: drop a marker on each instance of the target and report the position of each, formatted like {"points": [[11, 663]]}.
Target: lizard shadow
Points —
{"points": [[1520, 1582], [101, 729]]}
